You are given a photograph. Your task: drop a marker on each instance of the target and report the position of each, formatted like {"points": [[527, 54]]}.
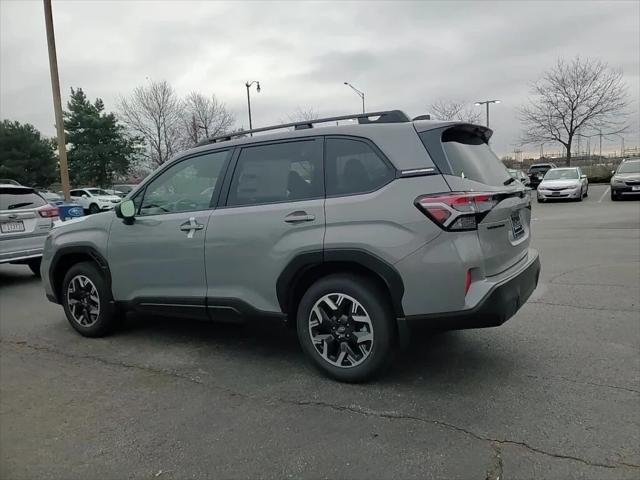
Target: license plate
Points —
{"points": [[516, 225], [635, 188], [555, 193], [9, 227]]}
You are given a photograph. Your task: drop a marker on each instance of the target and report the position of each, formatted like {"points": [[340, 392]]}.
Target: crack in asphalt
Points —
{"points": [[356, 409], [582, 382], [494, 472], [580, 307]]}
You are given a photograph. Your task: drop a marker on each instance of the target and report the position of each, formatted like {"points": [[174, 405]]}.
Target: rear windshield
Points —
{"points": [[561, 174], [629, 167], [19, 198], [468, 156]]}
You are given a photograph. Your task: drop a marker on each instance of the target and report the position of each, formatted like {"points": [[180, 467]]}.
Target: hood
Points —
{"points": [[627, 176], [560, 183]]}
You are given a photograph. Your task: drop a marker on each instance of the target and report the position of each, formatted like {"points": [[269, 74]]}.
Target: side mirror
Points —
{"points": [[126, 210], [583, 176], [613, 172], [84, 195]]}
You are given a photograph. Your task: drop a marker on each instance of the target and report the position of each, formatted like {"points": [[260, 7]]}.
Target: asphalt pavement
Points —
{"points": [[553, 393]]}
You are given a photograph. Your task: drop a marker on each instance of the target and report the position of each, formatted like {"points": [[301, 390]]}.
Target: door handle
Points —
{"points": [[298, 217], [191, 226]]}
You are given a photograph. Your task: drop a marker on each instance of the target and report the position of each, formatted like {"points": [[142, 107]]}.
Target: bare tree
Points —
{"points": [[303, 114], [205, 117], [453, 110], [581, 95], [155, 113]]}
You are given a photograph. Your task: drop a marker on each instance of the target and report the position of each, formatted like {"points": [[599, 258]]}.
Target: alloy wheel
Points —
{"points": [[341, 330], [83, 301]]}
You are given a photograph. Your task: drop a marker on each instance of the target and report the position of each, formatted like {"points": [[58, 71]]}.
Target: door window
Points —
{"points": [[354, 167], [277, 173], [184, 187]]}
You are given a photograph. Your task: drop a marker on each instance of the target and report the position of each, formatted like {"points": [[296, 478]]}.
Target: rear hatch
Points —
{"points": [[483, 194], [20, 212]]}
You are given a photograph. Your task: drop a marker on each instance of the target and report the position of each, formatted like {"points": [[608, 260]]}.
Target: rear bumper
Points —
{"points": [[22, 248], [495, 308]]}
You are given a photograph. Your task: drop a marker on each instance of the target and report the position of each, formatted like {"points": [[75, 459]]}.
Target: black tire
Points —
{"points": [[94, 208], [372, 300], [34, 265], [614, 197], [586, 192], [107, 319], [541, 200], [579, 199]]}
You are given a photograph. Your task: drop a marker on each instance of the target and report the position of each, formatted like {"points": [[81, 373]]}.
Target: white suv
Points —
{"points": [[94, 200]]}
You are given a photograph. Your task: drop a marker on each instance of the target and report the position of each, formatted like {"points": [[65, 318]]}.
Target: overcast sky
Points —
{"points": [[403, 55]]}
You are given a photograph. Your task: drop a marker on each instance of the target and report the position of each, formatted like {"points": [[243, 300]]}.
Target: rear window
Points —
{"points": [[539, 168], [467, 155], [19, 198]]}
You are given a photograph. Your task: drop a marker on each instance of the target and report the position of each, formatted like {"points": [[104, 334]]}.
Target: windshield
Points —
{"points": [[539, 168], [97, 191], [629, 167], [562, 174]]}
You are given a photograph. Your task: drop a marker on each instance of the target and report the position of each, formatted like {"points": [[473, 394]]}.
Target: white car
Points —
{"points": [[94, 200], [567, 183]]}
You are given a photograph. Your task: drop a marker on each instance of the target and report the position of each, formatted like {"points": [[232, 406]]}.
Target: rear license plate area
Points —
{"points": [[516, 225], [635, 188], [11, 227]]}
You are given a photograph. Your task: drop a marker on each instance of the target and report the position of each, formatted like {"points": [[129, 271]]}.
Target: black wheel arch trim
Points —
{"points": [[303, 262], [72, 250]]}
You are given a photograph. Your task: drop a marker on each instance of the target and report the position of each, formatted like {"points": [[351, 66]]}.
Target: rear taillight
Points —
{"points": [[48, 211], [457, 211]]}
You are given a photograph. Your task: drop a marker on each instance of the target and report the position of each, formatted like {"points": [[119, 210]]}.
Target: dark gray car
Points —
{"points": [[625, 181], [351, 234]]}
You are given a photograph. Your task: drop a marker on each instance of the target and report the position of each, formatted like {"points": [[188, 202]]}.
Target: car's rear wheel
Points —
{"points": [[87, 301], [94, 208], [344, 327], [34, 265]]}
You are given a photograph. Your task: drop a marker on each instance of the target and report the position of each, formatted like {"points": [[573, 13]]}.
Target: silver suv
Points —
{"points": [[352, 234]]}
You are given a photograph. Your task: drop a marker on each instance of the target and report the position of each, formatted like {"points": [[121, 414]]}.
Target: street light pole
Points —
{"points": [[358, 92], [248, 85], [57, 102], [487, 102]]}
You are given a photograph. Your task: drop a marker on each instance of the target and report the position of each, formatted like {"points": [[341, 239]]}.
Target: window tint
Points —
{"points": [[470, 157], [354, 167], [276, 173], [184, 187], [19, 198]]}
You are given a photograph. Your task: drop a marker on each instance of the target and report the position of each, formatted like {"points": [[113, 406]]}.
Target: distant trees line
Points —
{"points": [[152, 123]]}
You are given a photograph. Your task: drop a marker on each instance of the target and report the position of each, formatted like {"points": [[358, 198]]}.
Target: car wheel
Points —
{"points": [[579, 199], [614, 196], [94, 208], [541, 200], [344, 327], [34, 265], [87, 301], [586, 192]]}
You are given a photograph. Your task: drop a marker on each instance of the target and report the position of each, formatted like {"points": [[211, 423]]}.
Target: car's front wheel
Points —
{"points": [[614, 196], [87, 301], [34, 265], [345, 327], [94, 208]]}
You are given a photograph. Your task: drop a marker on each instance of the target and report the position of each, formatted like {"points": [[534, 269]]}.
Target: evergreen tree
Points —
{"points": [[25, 156], [99, 147]]}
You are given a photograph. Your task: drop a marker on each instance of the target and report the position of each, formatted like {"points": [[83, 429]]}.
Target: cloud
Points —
{"points": [[401, 54]]}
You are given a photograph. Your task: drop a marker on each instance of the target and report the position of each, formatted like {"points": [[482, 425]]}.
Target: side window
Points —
{"points": [[278, 172], [184, 187], [354, 167]]}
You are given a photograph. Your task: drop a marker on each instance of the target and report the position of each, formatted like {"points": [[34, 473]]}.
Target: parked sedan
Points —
{"points": [[626, 180], [567, 183], [94, 200], [51, 197], [25, 220]]}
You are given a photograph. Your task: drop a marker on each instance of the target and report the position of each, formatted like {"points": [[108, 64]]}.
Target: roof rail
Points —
{"points": [[388, 116]]}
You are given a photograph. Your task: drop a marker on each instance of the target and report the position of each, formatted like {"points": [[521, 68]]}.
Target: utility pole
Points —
{"points": [[57, 102], [600, 134], [248, 85], [487, 103], [358, 92], [541, 151]]}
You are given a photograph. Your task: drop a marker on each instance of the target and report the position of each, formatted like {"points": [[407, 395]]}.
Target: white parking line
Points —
{"points": [[604, 194]]}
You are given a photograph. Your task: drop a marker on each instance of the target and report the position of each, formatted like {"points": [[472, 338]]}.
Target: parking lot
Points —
{"points": [[554, 393]]}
